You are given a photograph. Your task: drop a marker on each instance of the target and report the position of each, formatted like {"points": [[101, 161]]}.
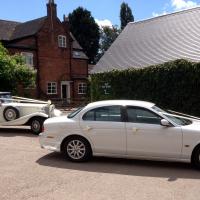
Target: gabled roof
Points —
{"points": [[28, 28], [76, 45], [154, 41], [13, 30], [7, 28], [78, 50]]}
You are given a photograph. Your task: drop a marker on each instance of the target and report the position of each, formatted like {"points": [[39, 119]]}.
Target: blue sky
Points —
{"points": [[104, 11]]}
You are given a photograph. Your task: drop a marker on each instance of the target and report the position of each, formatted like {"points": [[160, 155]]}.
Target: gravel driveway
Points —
{"points": [[29, 172]]}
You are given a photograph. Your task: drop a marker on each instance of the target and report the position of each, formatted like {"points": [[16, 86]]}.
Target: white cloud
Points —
{"points": [[159, 14], [183, 4], [177, 5], [104, 22]]}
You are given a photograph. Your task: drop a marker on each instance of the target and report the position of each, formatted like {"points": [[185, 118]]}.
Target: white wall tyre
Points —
{"points": [[77, 149], [10, 113], [36, 125]]}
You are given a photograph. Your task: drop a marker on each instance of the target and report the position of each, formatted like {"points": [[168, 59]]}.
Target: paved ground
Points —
{"points": [[28, 172]]}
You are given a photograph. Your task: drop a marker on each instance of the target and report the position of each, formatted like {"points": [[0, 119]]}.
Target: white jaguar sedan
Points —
{"points": [[124, 128]]}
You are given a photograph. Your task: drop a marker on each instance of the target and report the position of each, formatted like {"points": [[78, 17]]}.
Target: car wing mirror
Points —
{"points": [[164, 122]]}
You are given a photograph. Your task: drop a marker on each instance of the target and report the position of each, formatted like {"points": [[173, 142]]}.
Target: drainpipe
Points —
{"points": [[67, 29], [38, 70]]}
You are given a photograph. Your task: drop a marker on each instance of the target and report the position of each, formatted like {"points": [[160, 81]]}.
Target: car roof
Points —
{"points": [[144, 104]]}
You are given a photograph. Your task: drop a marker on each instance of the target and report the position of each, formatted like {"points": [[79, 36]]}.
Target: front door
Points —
{"points": [[65, 90], [105, 129], [146, 137]]}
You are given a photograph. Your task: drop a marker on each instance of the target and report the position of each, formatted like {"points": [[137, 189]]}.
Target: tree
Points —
{"points": [[86, 31], [126, 15], [107, 37], [13, 71]]}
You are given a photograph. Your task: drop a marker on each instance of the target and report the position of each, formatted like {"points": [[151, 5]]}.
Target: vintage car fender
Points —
{"points": [[23, 120]]}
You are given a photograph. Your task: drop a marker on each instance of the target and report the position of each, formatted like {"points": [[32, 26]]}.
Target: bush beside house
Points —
{"points": [[172, 85], [14, 73]]}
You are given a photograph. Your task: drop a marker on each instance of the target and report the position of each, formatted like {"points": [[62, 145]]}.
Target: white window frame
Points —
{"points": [[28, 58], [82, 88], [62, 41], [51, 87]]}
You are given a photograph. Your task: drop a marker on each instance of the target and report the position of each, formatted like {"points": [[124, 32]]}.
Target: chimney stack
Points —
{"points": [[51, 9], [66, 23]]}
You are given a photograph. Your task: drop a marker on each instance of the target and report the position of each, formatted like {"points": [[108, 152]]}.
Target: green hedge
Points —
{"points": [[172, 85]]}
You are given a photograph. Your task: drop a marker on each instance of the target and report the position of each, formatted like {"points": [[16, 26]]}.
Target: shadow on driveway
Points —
{"points": [[171, 171], [13, 132]]}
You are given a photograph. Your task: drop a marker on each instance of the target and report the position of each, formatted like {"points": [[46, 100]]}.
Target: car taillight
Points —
{"points": [[42, 128]]}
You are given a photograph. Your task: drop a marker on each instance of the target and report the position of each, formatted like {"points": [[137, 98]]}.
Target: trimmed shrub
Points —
{"points": [[172, 85]]}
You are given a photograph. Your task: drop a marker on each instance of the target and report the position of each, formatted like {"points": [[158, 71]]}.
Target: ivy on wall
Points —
{"points": [[173, 85]]}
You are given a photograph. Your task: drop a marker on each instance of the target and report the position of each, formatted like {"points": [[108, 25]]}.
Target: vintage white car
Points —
{"points": [[122, 128], [18, 111]]}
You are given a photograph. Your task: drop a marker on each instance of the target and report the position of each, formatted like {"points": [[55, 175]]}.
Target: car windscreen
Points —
{"points": [[5, 98], [178, 120], [158, 109], [75, 112]]}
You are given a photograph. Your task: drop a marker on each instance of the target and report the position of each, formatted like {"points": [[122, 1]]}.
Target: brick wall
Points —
{"points": [[54, 61], [79, 68]]}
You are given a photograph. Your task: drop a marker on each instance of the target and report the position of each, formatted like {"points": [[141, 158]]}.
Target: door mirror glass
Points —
{"points": [[164, 122]]}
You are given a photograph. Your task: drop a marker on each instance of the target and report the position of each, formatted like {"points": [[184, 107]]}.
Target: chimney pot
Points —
{"points": [[65, 19]]}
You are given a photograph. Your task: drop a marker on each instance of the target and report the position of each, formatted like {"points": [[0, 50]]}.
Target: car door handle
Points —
{"points": [[87, 128], [135, 130]]}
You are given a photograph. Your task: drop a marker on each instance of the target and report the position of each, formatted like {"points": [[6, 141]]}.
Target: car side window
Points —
{"points": [[141, 115], [89, 116], [106, 113]]}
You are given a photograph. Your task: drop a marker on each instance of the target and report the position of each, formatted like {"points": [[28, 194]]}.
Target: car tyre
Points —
{"points": [[10, 113], [196, 158], [36, 125], [77, 149]]}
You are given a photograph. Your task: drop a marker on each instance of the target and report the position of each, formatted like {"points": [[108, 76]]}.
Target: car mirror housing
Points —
{"points": [[164, 122]]}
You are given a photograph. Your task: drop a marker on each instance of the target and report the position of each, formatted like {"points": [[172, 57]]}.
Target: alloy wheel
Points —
{"points": [[76, 149]]}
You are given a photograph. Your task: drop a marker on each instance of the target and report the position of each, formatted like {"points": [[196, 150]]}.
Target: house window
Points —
{"points": [[76, 54], [28, 58], [51, 88], [82, 88], [62, 41]]}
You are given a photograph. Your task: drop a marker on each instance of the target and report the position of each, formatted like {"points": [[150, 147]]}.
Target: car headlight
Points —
{"points": [[45, 109]]}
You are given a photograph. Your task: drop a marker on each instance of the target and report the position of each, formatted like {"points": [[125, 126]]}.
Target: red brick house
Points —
{"points": [[47, 45]]}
